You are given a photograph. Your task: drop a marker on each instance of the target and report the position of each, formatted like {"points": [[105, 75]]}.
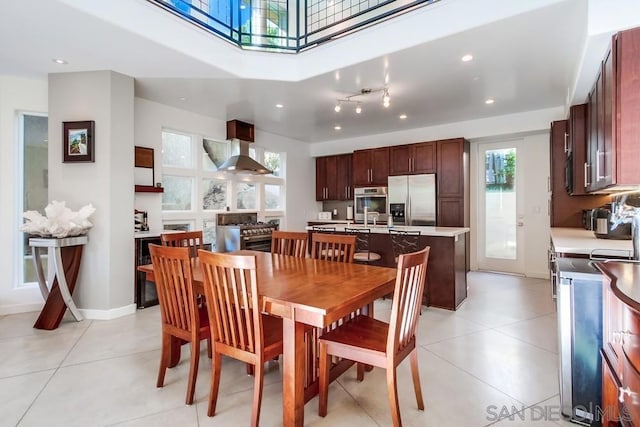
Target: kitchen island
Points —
{"points": [[446, 285]]}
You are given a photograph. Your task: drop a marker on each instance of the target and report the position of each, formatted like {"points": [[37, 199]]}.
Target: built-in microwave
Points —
{"points": [[375, 200]]}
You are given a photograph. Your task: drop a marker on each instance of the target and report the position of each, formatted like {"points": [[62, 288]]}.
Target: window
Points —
{"points": [[194, 190], [33, 133]]}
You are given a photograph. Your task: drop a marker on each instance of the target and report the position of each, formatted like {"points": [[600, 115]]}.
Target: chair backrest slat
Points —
{"points": [[333, 247], [231, 289], [185, 239], [407, 299], [173, 277], [292, 243]]}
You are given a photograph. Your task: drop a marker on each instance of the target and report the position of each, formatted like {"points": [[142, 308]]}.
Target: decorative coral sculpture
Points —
{"points": [[60, 221]]}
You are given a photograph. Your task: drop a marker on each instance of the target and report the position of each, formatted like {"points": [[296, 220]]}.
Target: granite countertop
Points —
{"points": [[583, 242], [152, 233], [424, 230]]}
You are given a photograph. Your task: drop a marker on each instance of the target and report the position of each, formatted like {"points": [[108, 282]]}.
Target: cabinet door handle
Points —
{"points": [[587, 166], [598, 155], [622, 392], [566, 145]]}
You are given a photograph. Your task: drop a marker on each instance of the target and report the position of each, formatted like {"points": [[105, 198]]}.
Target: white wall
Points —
{"points": [[151, 117], [105, 284], [17, 94]]}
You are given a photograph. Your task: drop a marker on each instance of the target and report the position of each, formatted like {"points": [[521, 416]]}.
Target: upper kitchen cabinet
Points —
{"points": [[371, 167], [566, 210], [575, 151], [412, 158], [614, 117], [333, 178]]}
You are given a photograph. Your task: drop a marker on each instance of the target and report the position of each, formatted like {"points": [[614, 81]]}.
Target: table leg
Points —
{"points": [[64, 288], [37, 263], [293, 375], [55, 304]]}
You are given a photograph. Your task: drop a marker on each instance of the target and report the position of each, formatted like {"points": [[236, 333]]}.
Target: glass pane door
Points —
{"points": [[500, 215]]}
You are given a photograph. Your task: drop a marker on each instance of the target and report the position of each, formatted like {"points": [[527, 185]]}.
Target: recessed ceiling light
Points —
{"points": [[59, 61], [489, 101], [279, 105], [337, 127], [182, 98], [467, 58], [402, 116]]}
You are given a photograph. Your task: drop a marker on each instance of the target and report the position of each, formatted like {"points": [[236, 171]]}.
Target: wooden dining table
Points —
{"points": [[307, 292]]}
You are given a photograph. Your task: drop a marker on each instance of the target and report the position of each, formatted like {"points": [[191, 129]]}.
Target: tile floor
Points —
{"points": [[492, 362]]}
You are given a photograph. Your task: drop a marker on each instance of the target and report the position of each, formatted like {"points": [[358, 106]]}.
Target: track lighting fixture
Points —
{"points": [[386, 99]]}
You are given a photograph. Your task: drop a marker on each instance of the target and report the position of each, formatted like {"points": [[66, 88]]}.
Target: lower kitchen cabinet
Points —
{"points": [[145, 291], [621, 344]]}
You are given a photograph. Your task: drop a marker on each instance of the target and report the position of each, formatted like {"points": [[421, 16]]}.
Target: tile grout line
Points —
{"points": [[475, 377], [55, 371]]}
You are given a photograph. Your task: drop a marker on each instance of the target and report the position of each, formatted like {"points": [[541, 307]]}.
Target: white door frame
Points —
{"points": [[516, 266]]}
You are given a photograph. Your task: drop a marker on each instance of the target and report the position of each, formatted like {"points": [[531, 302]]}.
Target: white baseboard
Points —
{"points": [[113, 313], [20, 308]]}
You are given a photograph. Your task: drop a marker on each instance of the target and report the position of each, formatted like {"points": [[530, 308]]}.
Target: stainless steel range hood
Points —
{"points": [[240, 162]]}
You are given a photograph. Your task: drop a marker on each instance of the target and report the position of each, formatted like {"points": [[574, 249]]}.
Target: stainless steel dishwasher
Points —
{"points": [[579, 306]]}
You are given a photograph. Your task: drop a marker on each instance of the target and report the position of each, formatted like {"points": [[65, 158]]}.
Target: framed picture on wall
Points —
{"points": [[77, 141]]}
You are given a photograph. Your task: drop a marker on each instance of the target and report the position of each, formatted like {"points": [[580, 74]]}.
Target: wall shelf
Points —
{"points": [[148, 189]]}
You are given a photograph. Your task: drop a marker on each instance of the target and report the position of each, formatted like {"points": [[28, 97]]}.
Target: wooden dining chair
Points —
{"points": [[292, 243], [333, 247], [238, 327], [367, 340], [186, 239], [181, 316]]}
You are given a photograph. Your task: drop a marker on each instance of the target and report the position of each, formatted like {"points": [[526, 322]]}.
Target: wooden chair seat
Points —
{"points": [[370, 334]]}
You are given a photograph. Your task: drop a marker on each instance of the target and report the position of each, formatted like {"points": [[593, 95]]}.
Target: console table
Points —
{"points": [[67, 256]]}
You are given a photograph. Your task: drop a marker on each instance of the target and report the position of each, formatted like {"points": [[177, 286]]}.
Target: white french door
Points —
{"points": [[500, 207]]}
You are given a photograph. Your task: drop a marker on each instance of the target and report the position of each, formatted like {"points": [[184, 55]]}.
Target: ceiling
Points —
{"points": [[524, 62]]}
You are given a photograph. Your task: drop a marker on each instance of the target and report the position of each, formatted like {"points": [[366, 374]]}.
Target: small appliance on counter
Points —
{"points": [[324, 215], [603, 226], [140, 220]]}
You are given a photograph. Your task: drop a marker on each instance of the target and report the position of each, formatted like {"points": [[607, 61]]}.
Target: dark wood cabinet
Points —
{"points": [[614, 117], [344, 181], [412, 158], [371, 167], [576, 151], [333, 178], [621, 346], [453, 182], [565, 210]]}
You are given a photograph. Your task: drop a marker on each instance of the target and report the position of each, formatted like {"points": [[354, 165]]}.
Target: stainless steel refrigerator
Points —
{"points": [[412, 199]]}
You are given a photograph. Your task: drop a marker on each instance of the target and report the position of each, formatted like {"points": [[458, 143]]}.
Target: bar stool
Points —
{"points": [[363, 244], [403, 242]]}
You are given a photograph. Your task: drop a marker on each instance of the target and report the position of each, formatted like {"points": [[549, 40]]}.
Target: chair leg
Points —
{"points": [[216, 363], [257, 393], [250, 369], [416, 378], [392, 391], [165, 356], [193, 370], [323, 380], [209, 348], [360, 371]]}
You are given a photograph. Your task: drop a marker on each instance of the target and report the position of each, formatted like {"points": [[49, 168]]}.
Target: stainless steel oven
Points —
{"points": [[374, 199], [236, 231]]}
